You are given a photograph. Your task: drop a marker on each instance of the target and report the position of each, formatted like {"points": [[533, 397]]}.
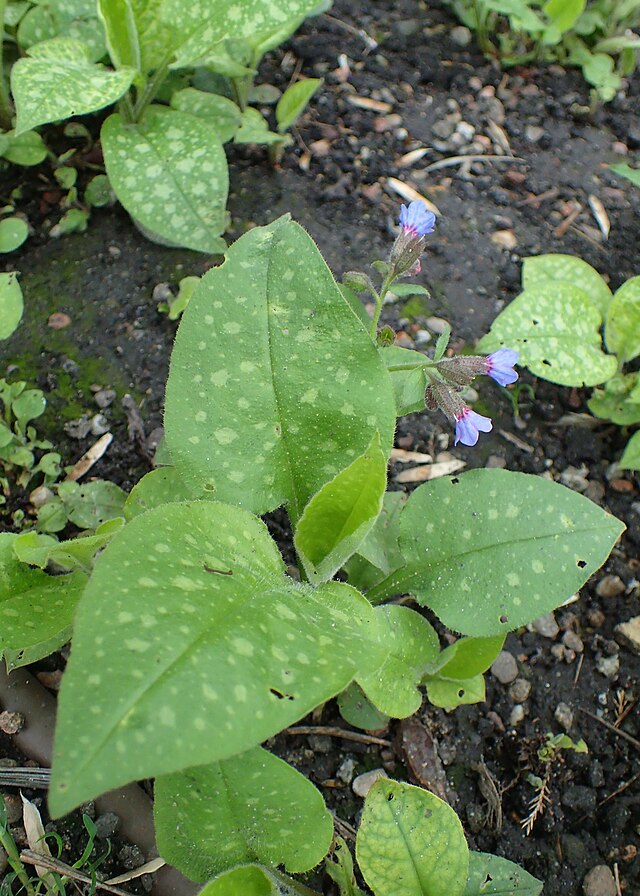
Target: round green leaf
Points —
{"points": [[170, 173], [249, 880], [622, 333], [251, 807], [555, 329], [410, 843], [25, 149], [490, 550], [13, 233], [11, 304]]}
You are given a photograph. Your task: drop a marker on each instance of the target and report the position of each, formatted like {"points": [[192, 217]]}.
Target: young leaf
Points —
{"points": [[220, 113], [624, 170], [121, 32], [338, 517], [449, 693], [379, 554], [293, 102], [622, 330], [161, 486], [253, 807], [91, 504], [356, 709], [252, 880], [618, 400], [13, 233], [510, 548], [36, 610], [409, 384], [260, 400], [410, 843], [190, 641], [555, 329], [467, 657], [630, 459], [11, 304], [40, 550], [339, 867], [538, 270], [412, 645], [494, 876], [170, 173], [59, 80], [254, 129], [25, 149]]}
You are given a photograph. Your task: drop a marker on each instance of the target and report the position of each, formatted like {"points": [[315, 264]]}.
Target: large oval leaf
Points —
{"points": [[60, 81], [558, 268], [170, 173], [410, 843], [490, 550], [191, 645], [555, 328], [252, 807], [275, 385]]}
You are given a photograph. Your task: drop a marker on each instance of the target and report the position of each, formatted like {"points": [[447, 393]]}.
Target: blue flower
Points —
{"points": [[469, 425], [500, 366], [416, 220]]}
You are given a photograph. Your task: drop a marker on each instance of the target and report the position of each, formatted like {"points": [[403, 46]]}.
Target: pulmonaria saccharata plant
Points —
{"points": [[196, 643], [445, 378]]}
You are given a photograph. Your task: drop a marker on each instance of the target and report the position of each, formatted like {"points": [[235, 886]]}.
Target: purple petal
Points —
{"points": [[500, 366], [469, 425], [416, 219]]}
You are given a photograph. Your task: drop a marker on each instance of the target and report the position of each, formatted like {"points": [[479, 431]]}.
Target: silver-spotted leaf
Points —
{"points": [[220, 113], [191, 645], [554, 268], [170, 173], [622, 332], [59, 81], [491, 550], [555, 328], [410, 843], [261, 401], [337, 519], [251, 807]]}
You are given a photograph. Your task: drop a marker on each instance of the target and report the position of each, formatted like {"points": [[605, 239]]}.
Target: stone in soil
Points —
{"points": [[546, 626], [599, 882], [628, 634], [505, 668]]}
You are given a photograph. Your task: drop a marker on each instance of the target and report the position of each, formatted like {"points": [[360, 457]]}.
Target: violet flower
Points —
{"points": [[469, 425], [416, 220], [500, 366]]}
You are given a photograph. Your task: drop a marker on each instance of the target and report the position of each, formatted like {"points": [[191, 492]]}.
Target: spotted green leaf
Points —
{"points": [[558, 268], [490, 550], [251, 807], [191, 645], [218, 111], [261, 401], [410, 843], [618, 400], [294, 101], [59, 80], [72, 553], [75, 19], [11, 304], [119, 22], [36, 610], [337, 519], [161, 486], [630, 459], [170, 173], [555, 329], [494, 876], [412, 645], [201, 25], [622, 333]]}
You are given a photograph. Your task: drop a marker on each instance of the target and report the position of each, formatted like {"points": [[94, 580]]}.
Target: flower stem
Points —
{"points": [[379, 297]]}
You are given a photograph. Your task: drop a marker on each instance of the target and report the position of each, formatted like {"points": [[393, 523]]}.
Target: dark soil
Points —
{"points": [[335, 181]]}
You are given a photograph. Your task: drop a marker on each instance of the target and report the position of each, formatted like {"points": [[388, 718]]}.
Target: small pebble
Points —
{"points": [[460, 36], [104, 398], [504, 668], [520, 690], [107, 825], [557, 651], [99, 425], [346, 770], [320, 743], [437, 324], [131, 857], [363, 783], [596, 618], [608, 665], [564, 715], [496, 721], [628, 634], [610, 586], [11, 722], [41, 496], [517, 714], [421, 337], [494, 461], [599, 882], [546, 626], [572, 642]]}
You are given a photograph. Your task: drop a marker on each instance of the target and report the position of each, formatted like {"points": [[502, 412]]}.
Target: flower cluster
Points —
{"points": [[459, 372]]}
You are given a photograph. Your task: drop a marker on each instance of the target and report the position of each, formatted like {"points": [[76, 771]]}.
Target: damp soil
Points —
{"points": [[399, 77]]}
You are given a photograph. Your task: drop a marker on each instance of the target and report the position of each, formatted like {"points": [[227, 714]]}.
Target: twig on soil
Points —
{"points": [[628, 737], [459, 160], [616, 876], [578, 670], [339, 732], [369, 41], [51, 864], [36, 778], [90, 457], [619, 790]]}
